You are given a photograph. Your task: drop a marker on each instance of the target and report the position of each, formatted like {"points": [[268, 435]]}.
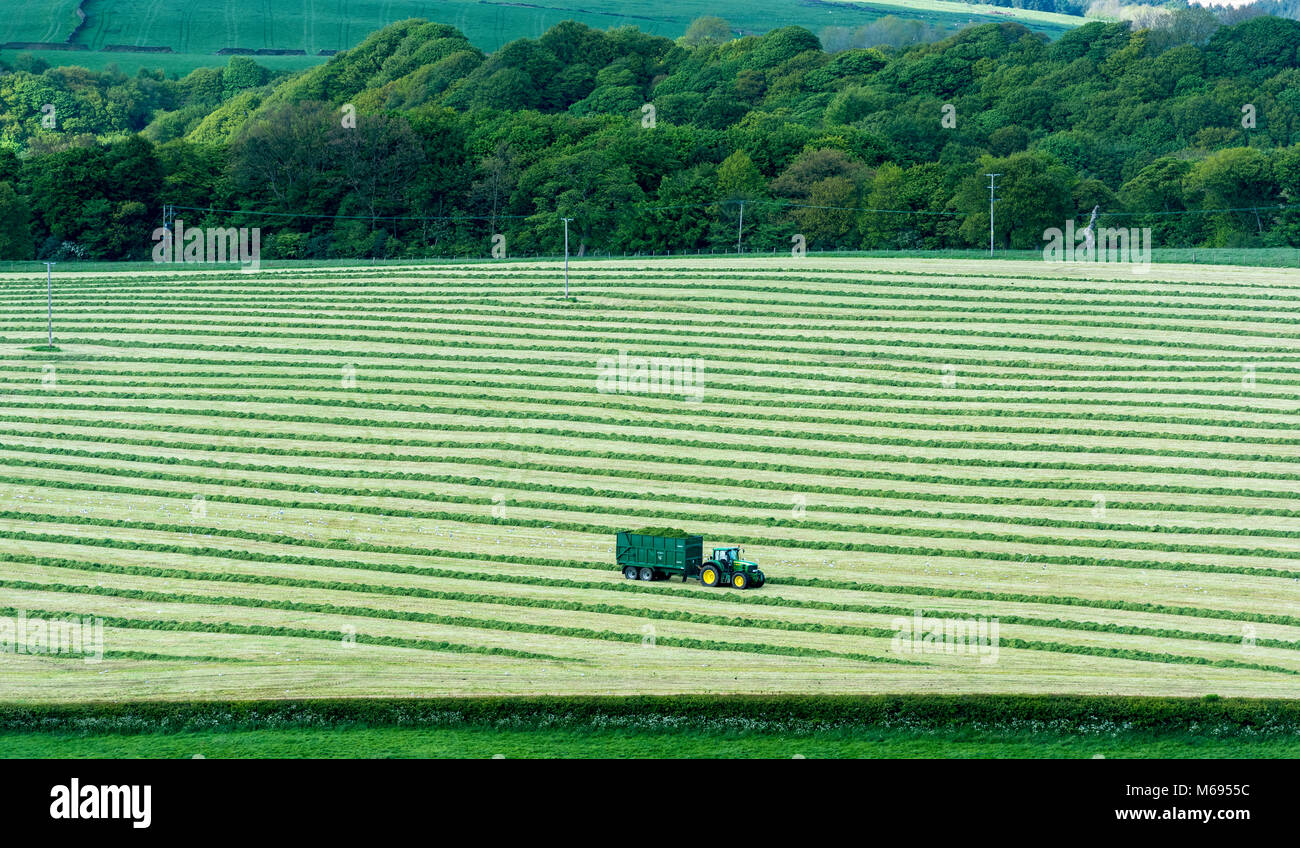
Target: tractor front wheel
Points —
{"points": [[740, 580], [630, 572], [709, 576], [759, 579], [647, 574]]}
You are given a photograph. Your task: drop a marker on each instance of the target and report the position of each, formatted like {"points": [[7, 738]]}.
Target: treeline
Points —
{"points": [[415, 143]]}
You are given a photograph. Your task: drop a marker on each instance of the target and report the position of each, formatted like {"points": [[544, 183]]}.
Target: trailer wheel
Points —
{"points": [[630, 572], [740, 580], [709, 576], [647, 574]]}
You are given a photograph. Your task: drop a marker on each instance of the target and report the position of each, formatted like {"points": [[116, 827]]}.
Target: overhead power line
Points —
{"points": [[351, 217], [170, 210]]}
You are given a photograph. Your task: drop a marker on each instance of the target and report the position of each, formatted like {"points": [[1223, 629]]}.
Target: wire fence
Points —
{"points": [[851, 232], [1277, 256], [1268, 257]]}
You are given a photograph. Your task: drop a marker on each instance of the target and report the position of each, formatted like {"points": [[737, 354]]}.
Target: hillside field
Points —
{"points": [[251, 24], [397, 482]]}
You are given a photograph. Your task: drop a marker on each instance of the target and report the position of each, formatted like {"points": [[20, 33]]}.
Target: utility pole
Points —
{"points": [[992, 198], [49, 300], [741, 229], [566, 256], [169, 232]]}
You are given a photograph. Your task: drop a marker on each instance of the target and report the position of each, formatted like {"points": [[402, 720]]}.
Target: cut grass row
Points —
{"points": [[376, 467], [592, 498], [494, 313], [845, 541], [945, 354], [761, 645], [508, 412], [265, 367], [585, 507], [587, 384], [511, 408], [896, 333], [263, 630], [885, 296], [824, 463], [980, 546], [502, 311], [548, 405], [614, 583], [538, 404], [578, 365], [994, 345], [759, 278], [492, 624], [371, 470], [661, 614], [1209, 381]]}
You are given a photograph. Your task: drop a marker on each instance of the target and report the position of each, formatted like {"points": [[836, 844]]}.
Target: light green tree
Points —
{"points": [[706, 30]]}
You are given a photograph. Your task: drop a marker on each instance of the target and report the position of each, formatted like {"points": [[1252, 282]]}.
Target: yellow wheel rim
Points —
{"points": [[710, 576], [738, 580]]}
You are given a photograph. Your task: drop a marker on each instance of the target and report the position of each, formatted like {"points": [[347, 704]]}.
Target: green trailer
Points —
{"points": [[660, 556], [645, 556]]}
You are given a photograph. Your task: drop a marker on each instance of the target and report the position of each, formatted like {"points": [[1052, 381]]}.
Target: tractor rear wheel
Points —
{"points": [[647, 574], [630, 572], [710, 576], [740, 580]]}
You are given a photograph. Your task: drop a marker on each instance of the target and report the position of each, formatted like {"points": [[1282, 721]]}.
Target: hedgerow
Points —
{"points": [[1096, 715]]}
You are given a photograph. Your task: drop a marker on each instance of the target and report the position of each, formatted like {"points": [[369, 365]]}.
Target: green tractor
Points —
{"points": [[726, 568]]}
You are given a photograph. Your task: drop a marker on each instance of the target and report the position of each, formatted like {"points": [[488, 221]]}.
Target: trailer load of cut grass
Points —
{"points": [[665, 532]]}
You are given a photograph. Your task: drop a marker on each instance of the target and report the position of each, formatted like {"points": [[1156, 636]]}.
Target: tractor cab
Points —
{"points": [[727, 568]]}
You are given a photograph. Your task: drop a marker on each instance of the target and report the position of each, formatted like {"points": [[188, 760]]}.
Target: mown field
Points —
{"points": [[484, 742], [342, 482], [252, 24]]}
